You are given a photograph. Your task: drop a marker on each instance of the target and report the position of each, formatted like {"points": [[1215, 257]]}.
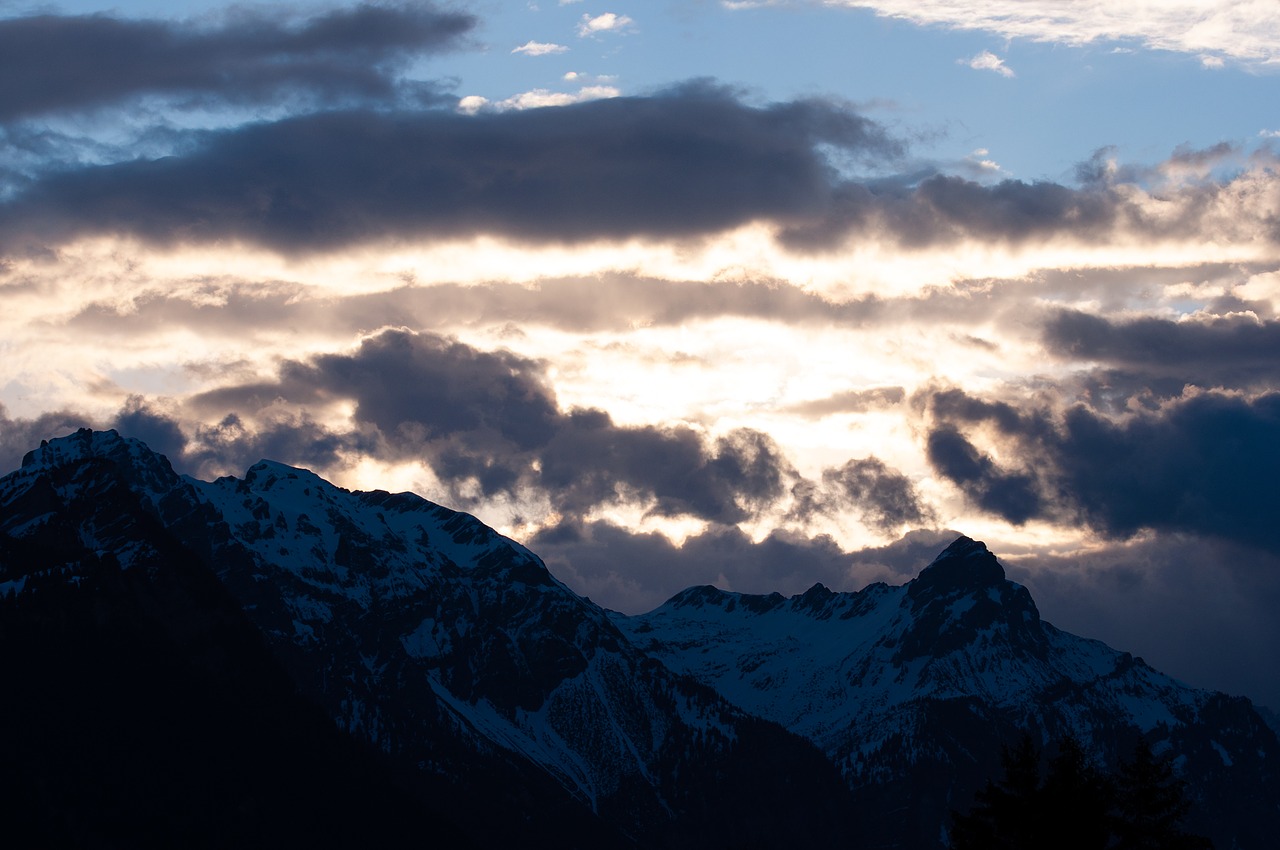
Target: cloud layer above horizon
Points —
{"points": [[674, 336]]}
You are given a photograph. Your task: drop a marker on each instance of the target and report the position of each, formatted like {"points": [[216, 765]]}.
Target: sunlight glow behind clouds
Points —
{"points": [[725, 312]]}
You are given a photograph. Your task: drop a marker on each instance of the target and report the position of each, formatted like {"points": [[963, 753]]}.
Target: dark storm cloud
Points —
{"points": [[686, 162], [592, 461], [490, 419], [1206, 464], [942, 208], [229, 447], [1232, 351], [1201, 609], [634, 572], [432, 387], [883, 497], [19, 436], [1012, 495], [137, 419], [51, 63], [226, 448]]}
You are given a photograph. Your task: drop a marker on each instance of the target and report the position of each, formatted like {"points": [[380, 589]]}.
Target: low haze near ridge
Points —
{"points": [[710, 319]]}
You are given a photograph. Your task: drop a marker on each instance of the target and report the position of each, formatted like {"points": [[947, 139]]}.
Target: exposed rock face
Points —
{"points": [[477, 682], [436, 640], [912, 690]]}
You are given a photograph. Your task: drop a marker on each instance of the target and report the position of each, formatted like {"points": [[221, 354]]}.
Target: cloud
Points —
{"points": [[1011, 495], [690, 161], [884, 498], [21, 435], [1242, 31], [230, 445], [540, 98], [693, 161], [472, 103], [979, 163], [608, 22], [540, 48], [988, 61], [939, 209], [51, 63], [610, 301], [490, 421], [226, 447], [1233, 351], [634, 572], [850, 401], [1200, 609], [1204, 464], [162, 433]]}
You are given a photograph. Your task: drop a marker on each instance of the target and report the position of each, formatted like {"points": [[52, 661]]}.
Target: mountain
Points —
{"points": [[426, 637], [274, 660], [912, 690]]}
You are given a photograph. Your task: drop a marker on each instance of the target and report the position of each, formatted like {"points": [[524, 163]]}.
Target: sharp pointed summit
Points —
{"points": [[964, 566], [929, 679]]}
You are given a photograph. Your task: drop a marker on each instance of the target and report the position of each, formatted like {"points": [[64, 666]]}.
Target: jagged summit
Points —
{"points": [[965, 566], [422, 633], [265, 473], [84, 444], [928, 679]]}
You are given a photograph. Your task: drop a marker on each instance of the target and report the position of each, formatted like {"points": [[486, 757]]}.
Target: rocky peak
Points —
{"points": [[697, 596], [89, 461], [83, 445], [966, 566]]}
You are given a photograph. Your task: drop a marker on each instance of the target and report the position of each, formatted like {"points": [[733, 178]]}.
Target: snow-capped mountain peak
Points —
{"points": [[936, 672], [419, 630], [437, 640]]}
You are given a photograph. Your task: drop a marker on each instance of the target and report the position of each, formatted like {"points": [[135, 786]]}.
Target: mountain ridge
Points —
{"points": [[888, 677], [435, 640], [442, 644]]}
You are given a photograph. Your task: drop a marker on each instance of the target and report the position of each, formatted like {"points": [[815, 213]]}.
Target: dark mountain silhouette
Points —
{"points": [[276, 660]]}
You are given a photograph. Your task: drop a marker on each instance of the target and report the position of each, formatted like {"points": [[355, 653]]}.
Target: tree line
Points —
{"points": [[1070, 803]]}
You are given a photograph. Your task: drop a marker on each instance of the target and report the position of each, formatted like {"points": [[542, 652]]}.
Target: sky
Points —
{"points": [[753, 294]]}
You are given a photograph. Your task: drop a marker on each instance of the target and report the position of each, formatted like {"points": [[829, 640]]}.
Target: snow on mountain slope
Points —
{"points": [[411, 589], [442, 643], [419, 630], [826, 664], [927, 679], [390, 587]]}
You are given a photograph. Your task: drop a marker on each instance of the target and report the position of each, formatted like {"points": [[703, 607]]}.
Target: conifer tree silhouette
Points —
{"points": [[1077, 806], [1150, 804], [1006, 815]]}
